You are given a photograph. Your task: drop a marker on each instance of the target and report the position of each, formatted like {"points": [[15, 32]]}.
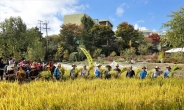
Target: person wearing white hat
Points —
{"points": [[166, 72], [97, 71], [33, 73], [156, 72]]}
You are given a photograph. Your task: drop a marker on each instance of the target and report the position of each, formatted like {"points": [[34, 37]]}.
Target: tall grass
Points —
{"points": [[96, 94]]}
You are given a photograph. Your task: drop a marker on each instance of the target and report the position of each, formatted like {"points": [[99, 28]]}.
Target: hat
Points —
{"points": [[156, 67], [32, 66], [98, 65], [108, 66], [168, 67], [73, 65], [143, 67]]}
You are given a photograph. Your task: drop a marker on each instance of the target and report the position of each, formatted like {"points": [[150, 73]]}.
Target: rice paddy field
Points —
{"points": [[95, 94]]}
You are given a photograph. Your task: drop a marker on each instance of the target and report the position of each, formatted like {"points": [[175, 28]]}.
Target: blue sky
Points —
{"points": [[142, 14]]}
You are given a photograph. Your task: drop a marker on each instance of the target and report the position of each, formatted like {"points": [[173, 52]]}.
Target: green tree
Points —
{"points": [[101, 35], [35, 51], [59, 52], [71, 35], [12, 36], [175, 28], [53, 42], [87, 23], [128, 33]]}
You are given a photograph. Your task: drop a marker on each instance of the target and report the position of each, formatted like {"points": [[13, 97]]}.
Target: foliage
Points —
{"points": [[71, 35], [60, 52], [66, 55], [101, 35], [176, 67], [113, 54], [155, 38], [35, 52], [12, 36], [160, 55], [129, 52], [96, 53], [174, 28], [87, 22], [73, 56], [128, 33]]}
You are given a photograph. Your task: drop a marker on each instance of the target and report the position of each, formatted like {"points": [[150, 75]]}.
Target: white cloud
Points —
{"points": [[140, 21], [46, 10], [120, 10], [136, 26], [111, 18]]}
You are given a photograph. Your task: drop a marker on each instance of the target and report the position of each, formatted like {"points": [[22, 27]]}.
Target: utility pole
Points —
{"points": [[46, 28], [40, 22]]}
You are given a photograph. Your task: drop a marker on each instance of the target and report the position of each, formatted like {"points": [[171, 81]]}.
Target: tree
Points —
{"points": [[71, 35], [175, 28], [128, 33], [101, 35], [87, 23], [155, 38], [36, 51], [12, 36]]}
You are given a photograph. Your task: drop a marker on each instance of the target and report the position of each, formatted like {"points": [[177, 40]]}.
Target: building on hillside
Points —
{"points": [[106, 23], [76, 19], [73, 18], [147, 33]]}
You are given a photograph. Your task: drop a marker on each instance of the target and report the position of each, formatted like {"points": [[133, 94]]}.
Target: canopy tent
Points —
{"points": [[175, 50]]}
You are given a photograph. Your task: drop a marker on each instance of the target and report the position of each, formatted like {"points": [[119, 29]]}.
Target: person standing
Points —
{"points": [[57, 72], [33, 73], [156, 72], [97, 71], [107, 72], [166, 72], [118, 71], [143, 73], [2, 65], [130, 73], [72, 72], [84, 72]]}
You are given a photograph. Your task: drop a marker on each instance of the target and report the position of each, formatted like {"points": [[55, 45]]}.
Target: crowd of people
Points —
{"points": [[130, 72], [31, 70]]}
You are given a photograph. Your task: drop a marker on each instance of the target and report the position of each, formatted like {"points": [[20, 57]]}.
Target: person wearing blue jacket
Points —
{"points": [[97, 71], [57, 72], [166, 72], [143, 73]]}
